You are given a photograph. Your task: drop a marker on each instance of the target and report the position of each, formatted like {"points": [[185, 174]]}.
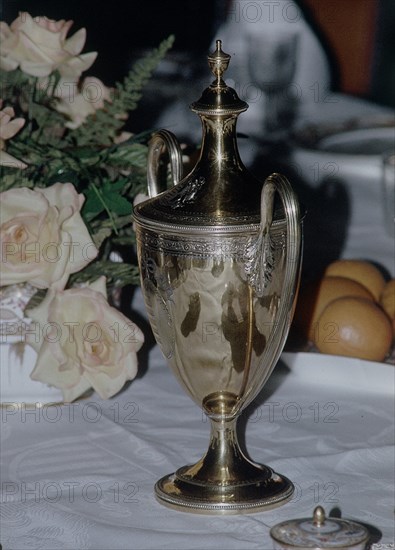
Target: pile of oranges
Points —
{"points": [[349, 311]]}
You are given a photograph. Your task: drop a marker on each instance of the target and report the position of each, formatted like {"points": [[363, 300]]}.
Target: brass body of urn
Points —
{"points": [[219, 256]]}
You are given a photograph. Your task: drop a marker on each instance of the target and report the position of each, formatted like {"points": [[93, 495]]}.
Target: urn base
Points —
{"points": [[264, 492]]}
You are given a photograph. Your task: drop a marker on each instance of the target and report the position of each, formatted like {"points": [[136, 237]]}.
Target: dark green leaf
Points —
{"points": [[118, 204]]}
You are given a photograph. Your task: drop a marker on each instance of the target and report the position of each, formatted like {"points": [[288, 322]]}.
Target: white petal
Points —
{"points": [[47, 369], [75, 43], [7, 63], [105, 386], [70, 394], [11, 128], [35, 68], [77, 65], [10, 161], [99, 286]]}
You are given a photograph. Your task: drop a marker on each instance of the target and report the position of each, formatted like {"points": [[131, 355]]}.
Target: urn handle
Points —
{"points": [[163, 139], [278, 183], [261, 266]]}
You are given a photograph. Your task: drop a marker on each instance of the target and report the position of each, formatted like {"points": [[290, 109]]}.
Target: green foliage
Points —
{"points": [[118, 274], [105, 124], [108, 169]]}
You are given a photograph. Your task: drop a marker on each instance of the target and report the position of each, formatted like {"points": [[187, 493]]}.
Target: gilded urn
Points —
{"points": [[219, 255]]}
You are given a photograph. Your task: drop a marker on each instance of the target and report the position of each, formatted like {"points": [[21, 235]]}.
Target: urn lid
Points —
{"points": [[219, 98], [219, 192], [319, 533]]}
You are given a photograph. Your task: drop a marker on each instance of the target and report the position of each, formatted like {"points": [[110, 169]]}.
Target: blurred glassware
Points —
{"points": [[272, 66]]}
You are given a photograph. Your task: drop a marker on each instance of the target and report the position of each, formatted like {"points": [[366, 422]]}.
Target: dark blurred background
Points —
{"points": [[358, 34]]}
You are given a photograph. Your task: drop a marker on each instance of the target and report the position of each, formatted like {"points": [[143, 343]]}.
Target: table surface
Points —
{"points": [[82, 475]]}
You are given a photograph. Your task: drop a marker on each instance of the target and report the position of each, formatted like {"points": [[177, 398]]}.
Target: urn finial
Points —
{"points": [[218, 98], [218, 62]]}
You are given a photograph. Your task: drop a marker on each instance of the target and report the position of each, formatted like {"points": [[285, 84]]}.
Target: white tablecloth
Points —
{"points": [[82, 475]]}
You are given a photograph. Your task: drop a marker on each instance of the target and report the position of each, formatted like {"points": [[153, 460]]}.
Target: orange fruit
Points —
{"points": [[387, 299], [355, 327], [361, 271], [314, 298]]}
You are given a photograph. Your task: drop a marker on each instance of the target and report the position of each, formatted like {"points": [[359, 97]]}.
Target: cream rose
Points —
{"points": [[78, 106], [39, 46], [9, 126], [84, 342], [43, 238]]}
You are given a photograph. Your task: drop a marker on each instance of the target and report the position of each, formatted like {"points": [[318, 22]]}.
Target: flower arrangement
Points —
{"points": [[70, 173]]}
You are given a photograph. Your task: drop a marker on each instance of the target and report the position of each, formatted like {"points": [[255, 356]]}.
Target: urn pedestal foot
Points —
{"points": [[247, 497], [224, 481]]}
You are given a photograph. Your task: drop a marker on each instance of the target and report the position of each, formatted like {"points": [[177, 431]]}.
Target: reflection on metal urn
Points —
{"points": [[219, 256]]}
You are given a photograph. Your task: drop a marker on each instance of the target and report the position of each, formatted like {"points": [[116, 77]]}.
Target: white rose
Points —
{"points": [[43, 238], [39, 47], [9, 126], [79, 105], [86, 342]]}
